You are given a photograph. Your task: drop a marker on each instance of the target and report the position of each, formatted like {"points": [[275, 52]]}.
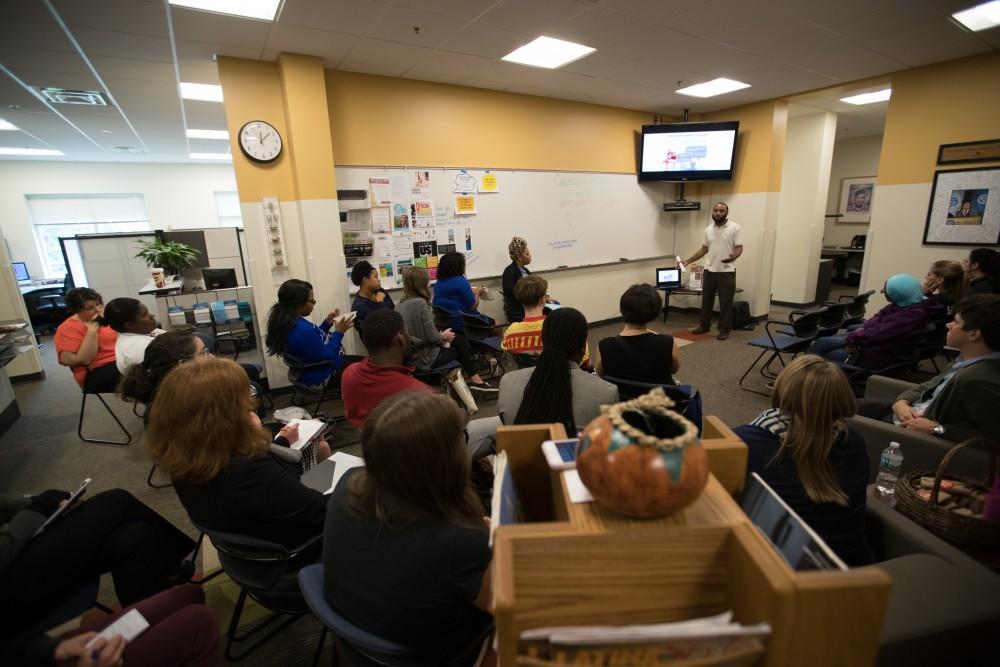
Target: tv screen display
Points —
{"points": [[688, 151]]}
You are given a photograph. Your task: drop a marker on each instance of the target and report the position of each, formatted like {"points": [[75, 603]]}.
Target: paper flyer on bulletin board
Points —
{"points": [[400, 219], [379, 191], [381, 218], [465, 183], [422, 213], [465, 205], [488, 183]]}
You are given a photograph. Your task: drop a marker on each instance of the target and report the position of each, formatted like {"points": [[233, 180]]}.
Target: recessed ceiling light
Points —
{"points": [[713, 88], [264, 10], [208, 134], [7, 125], [36, 152], [980, 17], [206, 92], [869, 98], [211, 156], [548, 52]]}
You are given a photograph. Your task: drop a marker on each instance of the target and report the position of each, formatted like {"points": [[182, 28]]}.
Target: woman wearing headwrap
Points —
{"points": [[520, 257], [908, 311]]}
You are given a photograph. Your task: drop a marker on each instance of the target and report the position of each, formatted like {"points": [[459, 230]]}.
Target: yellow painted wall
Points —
{"points": [[379, 120], [939, 104], [309, 142], [760, 148]]}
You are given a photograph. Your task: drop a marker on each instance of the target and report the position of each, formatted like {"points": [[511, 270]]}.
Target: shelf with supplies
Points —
{"points": [[225, 313]]}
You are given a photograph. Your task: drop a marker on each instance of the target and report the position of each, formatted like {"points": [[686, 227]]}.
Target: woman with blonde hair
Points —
{"points": [[803, 448], [205, 435], [945, 283]]}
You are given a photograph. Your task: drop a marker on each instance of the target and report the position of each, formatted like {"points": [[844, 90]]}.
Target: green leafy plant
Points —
{"points": [[171, 256]]}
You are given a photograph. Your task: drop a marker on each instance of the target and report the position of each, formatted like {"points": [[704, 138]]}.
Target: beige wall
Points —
{"points": [[851, 158]]}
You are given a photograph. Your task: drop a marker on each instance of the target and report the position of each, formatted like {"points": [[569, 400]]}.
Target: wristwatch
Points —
{"points": [[939, 430]]}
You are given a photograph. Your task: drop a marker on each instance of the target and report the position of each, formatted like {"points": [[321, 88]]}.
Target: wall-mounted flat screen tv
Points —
{"points": [[688, 151]]}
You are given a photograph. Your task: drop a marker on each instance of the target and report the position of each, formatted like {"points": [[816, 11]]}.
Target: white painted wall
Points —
{"points": [[177, 196], [805, 179], [851, 158]]}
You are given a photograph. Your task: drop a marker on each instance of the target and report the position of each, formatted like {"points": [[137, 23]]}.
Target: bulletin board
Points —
{"points": [[403, 216]]}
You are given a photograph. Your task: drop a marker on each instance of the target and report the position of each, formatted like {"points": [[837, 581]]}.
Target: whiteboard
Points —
{"points": [[569, 219]]}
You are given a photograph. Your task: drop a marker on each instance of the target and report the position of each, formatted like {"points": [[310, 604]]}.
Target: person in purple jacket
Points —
{"points": [[908, 311]]}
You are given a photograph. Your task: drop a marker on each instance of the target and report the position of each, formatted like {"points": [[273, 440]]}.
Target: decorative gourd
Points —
{"points": [[642, 459]]}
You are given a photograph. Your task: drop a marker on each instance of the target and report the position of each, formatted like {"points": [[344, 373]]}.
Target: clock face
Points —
{"points": [[260, 141]]}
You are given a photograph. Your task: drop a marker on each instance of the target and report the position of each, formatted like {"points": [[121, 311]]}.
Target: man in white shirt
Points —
{"points": [[723, 247]]}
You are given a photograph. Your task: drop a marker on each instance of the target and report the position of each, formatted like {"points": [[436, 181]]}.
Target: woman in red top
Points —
{"points": [[86, 344]]}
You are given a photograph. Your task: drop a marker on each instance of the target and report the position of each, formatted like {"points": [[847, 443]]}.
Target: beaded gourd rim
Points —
{"points": [[655, 401]]}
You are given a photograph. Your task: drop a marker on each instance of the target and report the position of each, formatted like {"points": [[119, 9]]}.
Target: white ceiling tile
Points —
{"points": [[196, 26], [433, 77], [598, 28], [34, 11], [486, 41], [35, 34], [19, 140], [144, 18], [209, 146], [331, 46], [204, 114], [133, 69], [14, 98], [483, 83], [451, 64], [459, 9], [123, 45], [400, 24], [600, 64], [925, 44], [200, 74], [653, 11], [42, 79], [352, 16], [20, 58], [200, 53], [531, 16], [376, 56]]}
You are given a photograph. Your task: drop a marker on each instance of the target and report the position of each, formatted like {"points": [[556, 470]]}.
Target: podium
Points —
{"points": [[583, 564]]}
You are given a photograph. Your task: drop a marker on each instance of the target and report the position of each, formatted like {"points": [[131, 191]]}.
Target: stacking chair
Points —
{"points": [[435, 376], [101, 441], [328, 391], [483, 343], [356, 647], [856, 306], [442, 317], [266, 572], [906, 349], [687, 399], [805, 327]]}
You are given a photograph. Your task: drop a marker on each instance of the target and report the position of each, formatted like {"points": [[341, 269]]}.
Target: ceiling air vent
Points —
{"points": [[63, 96], [126, 149]]}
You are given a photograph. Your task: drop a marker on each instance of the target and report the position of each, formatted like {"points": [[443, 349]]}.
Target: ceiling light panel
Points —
{"points": [[31, 152], [7, 125], [205, 92], [980, 17], [262, 10], [208, 134], [869, 98], [548, 52], [712, 88]]}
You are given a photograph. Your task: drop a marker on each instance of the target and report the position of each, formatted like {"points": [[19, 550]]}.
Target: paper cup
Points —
{"points": [[159, 279]]}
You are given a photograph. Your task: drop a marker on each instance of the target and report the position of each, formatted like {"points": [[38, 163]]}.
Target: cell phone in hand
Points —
{"points": [[560, 454], [68, 505]]}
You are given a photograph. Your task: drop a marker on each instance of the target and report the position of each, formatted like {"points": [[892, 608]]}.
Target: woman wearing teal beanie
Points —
{"points": [[908, 311]]}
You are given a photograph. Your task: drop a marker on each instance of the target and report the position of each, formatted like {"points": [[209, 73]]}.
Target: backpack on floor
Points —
{"points": [[741, 316]]}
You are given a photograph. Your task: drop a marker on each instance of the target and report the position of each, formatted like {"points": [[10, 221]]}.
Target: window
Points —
{"points": [[57, 216], [227, 206]]}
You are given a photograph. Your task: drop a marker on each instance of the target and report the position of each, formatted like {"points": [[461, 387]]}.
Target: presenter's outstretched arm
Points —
{"points": [[698, 255]]}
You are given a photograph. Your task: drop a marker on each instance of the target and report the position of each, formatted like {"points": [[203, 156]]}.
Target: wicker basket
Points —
{"points": [[967, 531]]}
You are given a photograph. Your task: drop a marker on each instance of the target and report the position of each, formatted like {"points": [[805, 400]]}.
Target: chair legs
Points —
{"points": [[232, 637], [149, 480], [194, 559], [79, 426], [765, 370]]}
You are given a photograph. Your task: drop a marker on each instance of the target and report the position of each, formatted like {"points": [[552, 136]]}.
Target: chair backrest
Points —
{"points": [[68, 282], [631, 388], [254, 564], [524, 360], [296, 366], [856, 307], [442, 317], [809, 323], [834, 317], [476, 328]]}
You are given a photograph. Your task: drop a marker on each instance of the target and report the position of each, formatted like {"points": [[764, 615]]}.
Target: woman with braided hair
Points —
{"points": [[520, 257]]}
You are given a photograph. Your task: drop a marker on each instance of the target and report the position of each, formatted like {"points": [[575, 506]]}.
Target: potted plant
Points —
{"points": [[171, 256]]}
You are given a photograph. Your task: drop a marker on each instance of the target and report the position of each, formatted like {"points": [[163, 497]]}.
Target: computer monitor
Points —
{"points": [[21, 272], [219, 278], [668, 278], [800, 546]]}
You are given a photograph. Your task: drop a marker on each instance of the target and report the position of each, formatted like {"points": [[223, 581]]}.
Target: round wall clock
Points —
{"points": [[259, 141]]}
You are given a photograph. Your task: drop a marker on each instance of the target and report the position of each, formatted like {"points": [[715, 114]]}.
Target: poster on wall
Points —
{"points": [[857, 194], [964, 208], [400, 219], [421, 182], [465, 205], [465, 183], [422, 213], [381, 218], [379, 191], [488, 183]]}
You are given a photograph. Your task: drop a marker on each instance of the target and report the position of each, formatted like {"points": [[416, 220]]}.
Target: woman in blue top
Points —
{"points": [[289, 332], [453, 291]]}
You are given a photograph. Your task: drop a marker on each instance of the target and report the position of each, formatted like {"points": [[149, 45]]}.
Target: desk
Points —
{"points": [[683, 291], [30, 289], [843, 257], [173, 284]]}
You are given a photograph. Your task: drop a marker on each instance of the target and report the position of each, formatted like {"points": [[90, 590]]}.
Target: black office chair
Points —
{"points": [[687, 403], [329, 390], [442, 317], [805, 328], [267, 572], [483, 343], [905, 349], [435, 376], [856, 308], [101, 441], [43, 312]]}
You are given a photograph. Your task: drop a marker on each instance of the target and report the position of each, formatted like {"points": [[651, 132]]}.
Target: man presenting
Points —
{"points": [[723, 247]]}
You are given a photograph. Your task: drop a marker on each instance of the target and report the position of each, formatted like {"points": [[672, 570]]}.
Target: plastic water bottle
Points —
{"points": [[889, 466]]}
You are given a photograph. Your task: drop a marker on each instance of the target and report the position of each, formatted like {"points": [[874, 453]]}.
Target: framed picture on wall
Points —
{"points": [[964, 208], [857, 195]]}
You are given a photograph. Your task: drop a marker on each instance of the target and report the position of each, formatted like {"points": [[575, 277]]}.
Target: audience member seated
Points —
{"points": [[371, 297], [805, 451], [520, 257], [111, 532], [182, 631], [453, 291], [638, 353], [289, 332], [425, 339], [85, 344], [945, 283], [416, 570], [556, 389], [525, 337], [961, 402], [205, 436], [162, 355], [982, 267], [871, 345], [136, 329]]}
